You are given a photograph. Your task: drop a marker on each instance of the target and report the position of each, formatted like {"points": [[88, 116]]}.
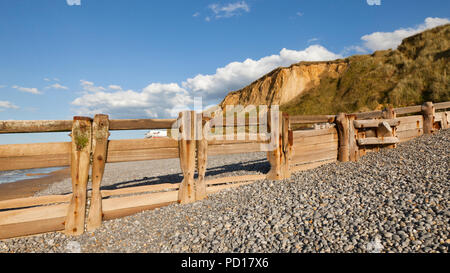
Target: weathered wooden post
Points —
{"points": [[80, 162], [342, 123], [100, 134], [386, 130], [428, 112], [280, 149], [348, 146], [187, 147], [202, 157], [287, 142], [352, 134]]}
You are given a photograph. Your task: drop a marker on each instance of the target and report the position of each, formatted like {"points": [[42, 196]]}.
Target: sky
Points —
{"points": [[150, 59]]}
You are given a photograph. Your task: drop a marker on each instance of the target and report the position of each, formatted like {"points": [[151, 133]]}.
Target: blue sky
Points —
{"points": [[149, 59]]}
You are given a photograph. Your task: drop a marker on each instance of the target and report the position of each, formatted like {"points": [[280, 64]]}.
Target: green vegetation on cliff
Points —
{"points": [[414, 73]]}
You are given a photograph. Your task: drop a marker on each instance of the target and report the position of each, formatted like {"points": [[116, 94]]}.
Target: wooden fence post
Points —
{"points": [[80, 162], [428, 112], [352, 134], [280, 152], [202, 157], [187, 147], [100, 134], [389, 113], [287, 142], [342, 123]]}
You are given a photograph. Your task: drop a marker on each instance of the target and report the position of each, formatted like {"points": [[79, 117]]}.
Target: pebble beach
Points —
{"points": [[395, 200]]}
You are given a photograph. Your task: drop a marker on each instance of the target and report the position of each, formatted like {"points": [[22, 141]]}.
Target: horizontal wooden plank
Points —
{"points": [[128, 205], [141, 154], [37, 161], [372, 123], [140, 189], [34, 201], [214, 189], [308, 140], [140, 124], [442, 105], [300, 148], [22, 222], [312, 119], [238, 148], [313, 133], [36, 155], [410, 119], [233, 179], [368, 115], [378, 141], [141, 144], [409, 123], [175, 186], [408, 110], [13, 150], [309, 166], [34, 126], [310, 157], [410, 134], [240, 138]]}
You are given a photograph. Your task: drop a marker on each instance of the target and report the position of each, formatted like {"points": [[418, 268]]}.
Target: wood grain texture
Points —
{"points": [[80, 163], [34, 201], [311, 165], [140, 124], [378, 141], [343, 124], [237, 148], [187, 149], [100, 134], [29, 221], [372, 123], [312, 119], [428, 112], [408, 110], [36, 155], [35, 126], [202, 157]]}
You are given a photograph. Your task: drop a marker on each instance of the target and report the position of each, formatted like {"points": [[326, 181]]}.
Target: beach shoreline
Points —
{"points": [[28, 187]]}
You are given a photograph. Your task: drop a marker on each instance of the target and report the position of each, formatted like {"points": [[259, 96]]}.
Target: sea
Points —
{"points": [[17, 175]]}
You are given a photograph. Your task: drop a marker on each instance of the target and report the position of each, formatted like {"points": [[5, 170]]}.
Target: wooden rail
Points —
{"points": [[348, 137]]}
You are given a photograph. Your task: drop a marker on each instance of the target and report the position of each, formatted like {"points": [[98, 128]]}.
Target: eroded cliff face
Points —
{"points": [[414, 73], [284, 84]]}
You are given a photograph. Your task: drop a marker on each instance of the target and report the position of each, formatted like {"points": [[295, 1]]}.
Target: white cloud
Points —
{"points": [[2, 86], [159, 100], [386, 40], [196, 14], [47, 79], [313, 40], [57, 86], [155, 101], [229, 10], [7, 105], [26, 89], [354, 49], [73, 2], [239, 74], [115, 87], [374, 2], [90, 87], [299, 14]]}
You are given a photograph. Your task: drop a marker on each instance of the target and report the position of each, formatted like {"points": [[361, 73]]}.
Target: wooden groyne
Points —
{"points": [[346, 137]]}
